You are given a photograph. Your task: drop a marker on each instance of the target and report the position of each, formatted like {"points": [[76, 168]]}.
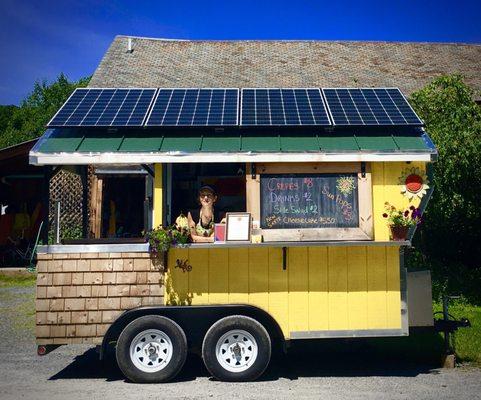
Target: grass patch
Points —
{"points": [[17, 279], [467, 341]]}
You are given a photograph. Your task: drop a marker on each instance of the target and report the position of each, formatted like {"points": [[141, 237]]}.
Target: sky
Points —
{"points": [[40, 39]]}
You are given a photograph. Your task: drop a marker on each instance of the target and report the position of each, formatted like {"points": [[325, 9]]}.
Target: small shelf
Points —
{"points": [[144, 247], [296, 244]]}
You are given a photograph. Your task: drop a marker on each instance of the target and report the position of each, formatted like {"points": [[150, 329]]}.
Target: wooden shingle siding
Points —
{"points": [[79, 296]]}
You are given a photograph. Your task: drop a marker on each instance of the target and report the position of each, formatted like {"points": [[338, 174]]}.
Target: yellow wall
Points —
{"points": [[323, 288], [386, 187], [158, 196]]}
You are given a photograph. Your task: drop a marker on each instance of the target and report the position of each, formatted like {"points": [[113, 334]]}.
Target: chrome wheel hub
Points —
{"points": [[236, 350], [151, 350]]}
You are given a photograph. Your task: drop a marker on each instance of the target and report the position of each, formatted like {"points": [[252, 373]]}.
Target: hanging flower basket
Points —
{"points": [[400, 221]]}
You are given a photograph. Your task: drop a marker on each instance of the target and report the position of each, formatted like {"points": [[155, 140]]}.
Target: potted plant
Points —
{"points": [[400, 221], [162, 238]]}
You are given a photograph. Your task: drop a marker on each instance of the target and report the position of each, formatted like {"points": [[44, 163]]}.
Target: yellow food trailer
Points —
{"points": [[302, 175]]}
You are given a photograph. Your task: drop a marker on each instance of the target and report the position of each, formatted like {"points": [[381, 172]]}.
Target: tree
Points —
{"points": [[28, 121], [449, 237], [6, 113]]}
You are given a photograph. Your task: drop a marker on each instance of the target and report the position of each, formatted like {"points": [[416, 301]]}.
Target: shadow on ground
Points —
{"points": [[404, 357]]}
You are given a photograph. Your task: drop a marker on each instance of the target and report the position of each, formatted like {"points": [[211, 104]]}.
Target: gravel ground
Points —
{"points": [[75, 371]]}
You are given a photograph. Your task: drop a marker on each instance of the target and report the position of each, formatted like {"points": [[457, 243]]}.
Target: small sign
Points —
{"points": [[238, 227]]}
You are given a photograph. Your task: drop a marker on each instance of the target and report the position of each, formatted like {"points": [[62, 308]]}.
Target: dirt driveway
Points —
{"points": [[310, 370]]}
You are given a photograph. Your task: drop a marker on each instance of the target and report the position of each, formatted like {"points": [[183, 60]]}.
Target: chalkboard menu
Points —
{"points": [[309, 201]]}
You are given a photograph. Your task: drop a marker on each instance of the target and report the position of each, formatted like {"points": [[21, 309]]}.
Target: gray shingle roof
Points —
{"points": [[179, 63]]}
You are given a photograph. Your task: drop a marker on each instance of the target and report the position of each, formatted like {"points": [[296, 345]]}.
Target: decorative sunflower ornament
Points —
{"points": [[414, 183]]}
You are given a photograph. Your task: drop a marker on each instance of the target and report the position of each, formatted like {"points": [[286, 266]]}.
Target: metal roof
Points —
{"points": [[64, 146]]}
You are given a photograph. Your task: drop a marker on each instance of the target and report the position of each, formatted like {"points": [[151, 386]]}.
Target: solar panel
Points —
{"points": [[104, 107], [380, 106], [283, 107], [195, 107]]}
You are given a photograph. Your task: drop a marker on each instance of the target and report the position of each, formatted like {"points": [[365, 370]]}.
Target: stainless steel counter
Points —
{"points": [[144, 247]]}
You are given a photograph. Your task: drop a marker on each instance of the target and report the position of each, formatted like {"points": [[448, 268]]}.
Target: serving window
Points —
{"points": [[228, 180], [311, 201]]}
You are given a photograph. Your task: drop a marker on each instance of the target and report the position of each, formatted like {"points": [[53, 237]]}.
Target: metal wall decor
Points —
{"points": [[414, 183]]}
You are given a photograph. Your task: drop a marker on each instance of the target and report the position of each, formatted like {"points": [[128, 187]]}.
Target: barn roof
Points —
{"points": [[254, 63]]}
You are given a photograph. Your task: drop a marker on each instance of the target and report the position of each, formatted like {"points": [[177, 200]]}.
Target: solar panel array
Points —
{"points": [[283, 107], [220, 107], [369, 107], [195, 107], [104, 107]]}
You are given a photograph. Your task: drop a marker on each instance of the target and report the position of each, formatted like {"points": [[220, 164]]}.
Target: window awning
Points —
{"points": [[84, 146]]}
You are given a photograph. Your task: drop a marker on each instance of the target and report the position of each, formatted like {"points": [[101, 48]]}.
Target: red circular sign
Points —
{"points": [[414, 183]]}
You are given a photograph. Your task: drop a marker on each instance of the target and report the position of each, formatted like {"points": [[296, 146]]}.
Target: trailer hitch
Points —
{"points": [[449, 324]]}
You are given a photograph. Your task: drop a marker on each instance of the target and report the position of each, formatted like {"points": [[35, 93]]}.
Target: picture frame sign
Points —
{"points": [[238, 227]]}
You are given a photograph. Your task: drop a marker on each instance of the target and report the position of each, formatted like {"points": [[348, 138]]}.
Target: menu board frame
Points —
{"points": [[362, 233]]}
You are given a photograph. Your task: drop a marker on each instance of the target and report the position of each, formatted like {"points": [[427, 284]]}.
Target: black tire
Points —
{"points": [[179, 349], [221, 328]]}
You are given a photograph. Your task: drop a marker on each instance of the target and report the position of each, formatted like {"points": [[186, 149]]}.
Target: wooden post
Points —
{"points": [[85, 225], [96, 206], [47, 173]]}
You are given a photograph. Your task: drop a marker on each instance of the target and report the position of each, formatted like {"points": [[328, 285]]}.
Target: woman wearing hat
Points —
{"points": [[201, 224]]}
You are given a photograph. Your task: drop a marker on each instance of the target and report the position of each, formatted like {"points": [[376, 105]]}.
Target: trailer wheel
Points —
{"points": [[151, 349], [236, 349]]}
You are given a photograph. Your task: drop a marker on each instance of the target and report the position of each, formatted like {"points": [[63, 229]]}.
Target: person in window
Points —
{"points": [[201, 223]]}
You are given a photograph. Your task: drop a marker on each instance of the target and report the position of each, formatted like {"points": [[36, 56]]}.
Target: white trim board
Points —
{"points": [[37, 158]]}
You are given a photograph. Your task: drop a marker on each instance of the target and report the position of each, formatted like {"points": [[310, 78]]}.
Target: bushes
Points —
{"points": [[448, 241]]}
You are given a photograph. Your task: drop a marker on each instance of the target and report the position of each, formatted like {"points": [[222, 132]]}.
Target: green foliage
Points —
{"points": [[17, 279], [448, 240], [162, 238], [28, 121], [395, 217], [6, 113], [466, 341], [67, 231]]}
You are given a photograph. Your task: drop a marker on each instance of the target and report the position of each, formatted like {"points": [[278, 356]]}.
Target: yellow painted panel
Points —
{"points": [[337, 278], [199, 277], [238, 276], [393, 295], [318, 294], [323, 288], [380, 230], [387, 188], [177, 282], [158, 196], [298, 272], [258, 277], [218, 276], [376, 286], [357, 287], [278, 296]]}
